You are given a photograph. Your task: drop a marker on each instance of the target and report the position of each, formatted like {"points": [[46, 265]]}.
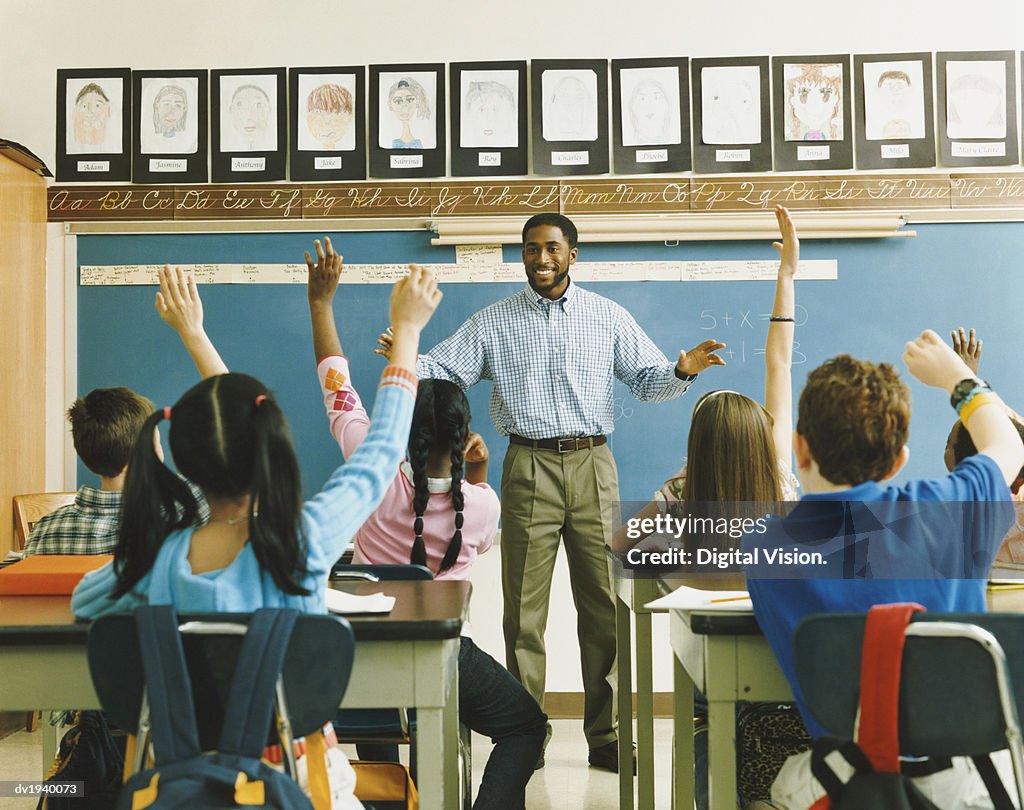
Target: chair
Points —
{"points": [[29, 508], [962, 679], [315, 675], [391, 726]]}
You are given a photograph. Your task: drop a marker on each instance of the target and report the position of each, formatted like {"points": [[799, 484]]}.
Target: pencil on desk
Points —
{"points": [[729, 599]]}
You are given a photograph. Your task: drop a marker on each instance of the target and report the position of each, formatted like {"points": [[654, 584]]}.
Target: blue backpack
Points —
{"points": [[233, 776]]}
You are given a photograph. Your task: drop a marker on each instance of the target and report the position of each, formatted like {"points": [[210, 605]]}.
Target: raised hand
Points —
{"points": [[789, 247], [968, 347], [322, 277], [178, 301], [414, 299], [181, 308], [384, 343], [934, 363], [700, 357]]}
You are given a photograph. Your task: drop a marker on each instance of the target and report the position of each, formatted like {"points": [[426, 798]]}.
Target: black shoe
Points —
{"points": [[606, 757], [540, 761]]}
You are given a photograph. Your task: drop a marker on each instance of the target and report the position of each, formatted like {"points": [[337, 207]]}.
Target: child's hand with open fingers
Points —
{"points": [[178, 301], [968, 346], [414, 299], [789, 247], [323, 276], [384, 343]]}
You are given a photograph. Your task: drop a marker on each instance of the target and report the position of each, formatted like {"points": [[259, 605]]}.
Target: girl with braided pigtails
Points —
{"points": [[438, 512]]}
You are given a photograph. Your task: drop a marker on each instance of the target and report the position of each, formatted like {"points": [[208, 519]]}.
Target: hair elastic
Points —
{"points": [[167, 413], [710, 394], [260, 399]]}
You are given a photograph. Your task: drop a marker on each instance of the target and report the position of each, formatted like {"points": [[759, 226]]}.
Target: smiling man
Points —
{"points": [[553, 351]]}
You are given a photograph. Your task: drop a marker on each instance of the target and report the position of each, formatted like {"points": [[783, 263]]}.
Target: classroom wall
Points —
{"points": [[37, 38]]}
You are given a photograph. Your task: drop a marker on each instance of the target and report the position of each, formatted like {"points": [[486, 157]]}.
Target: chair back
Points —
{"points": [[950, 696], [317, 666], [29, 508]]}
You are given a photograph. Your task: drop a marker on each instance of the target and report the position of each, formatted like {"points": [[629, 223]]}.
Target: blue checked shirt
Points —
{"points": [[553, 363]]}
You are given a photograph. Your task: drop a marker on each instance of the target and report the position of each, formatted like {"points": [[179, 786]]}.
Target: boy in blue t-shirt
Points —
{"points": [[871, 543]]}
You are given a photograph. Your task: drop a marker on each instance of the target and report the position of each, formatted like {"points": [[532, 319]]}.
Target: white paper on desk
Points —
{"points": [[345, 603], [684, 598]]}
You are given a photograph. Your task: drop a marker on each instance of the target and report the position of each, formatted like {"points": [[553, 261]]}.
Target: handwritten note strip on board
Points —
{"points": [[462, 273]]}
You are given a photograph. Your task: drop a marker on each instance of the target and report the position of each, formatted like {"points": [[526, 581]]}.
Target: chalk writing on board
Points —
{"points": [[622, 410], [459, 273], [740, 318]]}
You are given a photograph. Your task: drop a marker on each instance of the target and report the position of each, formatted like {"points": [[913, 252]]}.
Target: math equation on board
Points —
{"points": [[743, 330]]}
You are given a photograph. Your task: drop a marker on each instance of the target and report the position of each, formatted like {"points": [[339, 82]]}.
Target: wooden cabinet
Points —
{"points": [[22, 337]]}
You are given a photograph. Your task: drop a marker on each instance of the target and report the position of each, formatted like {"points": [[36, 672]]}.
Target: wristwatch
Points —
{"points": [[963, 390]]}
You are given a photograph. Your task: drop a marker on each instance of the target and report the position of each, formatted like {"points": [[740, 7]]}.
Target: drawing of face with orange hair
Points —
{"points": [[814, 94], [329, 111]]}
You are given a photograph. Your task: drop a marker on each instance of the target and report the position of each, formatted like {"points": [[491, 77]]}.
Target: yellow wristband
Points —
{"points": [[977, 401]]}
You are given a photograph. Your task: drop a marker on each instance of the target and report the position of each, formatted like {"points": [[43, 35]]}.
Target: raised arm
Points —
{"points": [[321, 284], [778, 350], [346, 415], [936, 364], [181, 308]]}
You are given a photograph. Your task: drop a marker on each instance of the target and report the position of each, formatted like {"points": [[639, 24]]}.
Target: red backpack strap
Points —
{"points": [[881, 659]]}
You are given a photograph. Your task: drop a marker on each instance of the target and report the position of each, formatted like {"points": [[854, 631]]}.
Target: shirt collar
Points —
{"points": [[541, 301], [92, 498]]}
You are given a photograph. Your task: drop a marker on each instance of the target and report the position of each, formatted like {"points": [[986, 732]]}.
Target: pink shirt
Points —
{"points": [[387, 535]]}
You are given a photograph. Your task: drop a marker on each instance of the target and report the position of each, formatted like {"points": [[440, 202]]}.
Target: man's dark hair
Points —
{"points": [[104, 426], [559, 221]]}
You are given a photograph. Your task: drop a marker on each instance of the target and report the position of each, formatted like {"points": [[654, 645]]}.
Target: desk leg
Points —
{"points": [[436, 776], [644, 713], [682, 737], [49, 733], [722, 755], [624, 645]]}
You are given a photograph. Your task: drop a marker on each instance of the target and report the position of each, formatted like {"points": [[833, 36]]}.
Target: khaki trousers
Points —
{"points": [[547, 496]]}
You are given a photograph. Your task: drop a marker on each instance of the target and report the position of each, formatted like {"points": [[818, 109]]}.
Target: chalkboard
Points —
{"points": [[888, 290]]}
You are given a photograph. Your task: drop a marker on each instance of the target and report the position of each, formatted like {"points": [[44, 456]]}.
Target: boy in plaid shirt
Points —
{"points": [[104, 425]]}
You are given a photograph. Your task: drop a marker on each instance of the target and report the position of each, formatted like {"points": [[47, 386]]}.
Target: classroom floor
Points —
{"points": [[566, 783]]}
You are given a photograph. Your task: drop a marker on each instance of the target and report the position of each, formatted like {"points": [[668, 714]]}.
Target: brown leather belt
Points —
{"points": [[566, 444]]}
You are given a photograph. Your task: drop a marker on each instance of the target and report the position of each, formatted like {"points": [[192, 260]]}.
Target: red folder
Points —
{"points": [[48, 573]]}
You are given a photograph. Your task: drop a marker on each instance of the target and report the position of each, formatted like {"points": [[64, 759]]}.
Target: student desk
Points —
{"points": [[727, 658], [408, 657], [630, 597]]}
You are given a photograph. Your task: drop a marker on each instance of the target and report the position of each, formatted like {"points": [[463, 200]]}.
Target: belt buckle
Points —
{"points": [[567, 445]]}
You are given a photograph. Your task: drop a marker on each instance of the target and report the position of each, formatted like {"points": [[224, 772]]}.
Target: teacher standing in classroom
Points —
{"points": [[552, 351]]}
